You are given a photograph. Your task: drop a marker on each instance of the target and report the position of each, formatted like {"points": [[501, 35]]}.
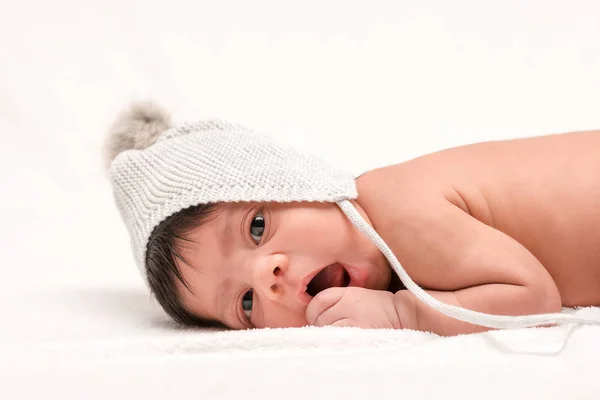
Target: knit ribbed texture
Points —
{"points": [[210, 162]]}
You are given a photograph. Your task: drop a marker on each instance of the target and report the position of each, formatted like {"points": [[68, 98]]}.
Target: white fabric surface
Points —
{"points": [[395, 79]]}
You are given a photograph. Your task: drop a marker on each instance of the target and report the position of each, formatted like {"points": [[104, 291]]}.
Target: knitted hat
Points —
{"points": [[157, 171], [212, 162]]}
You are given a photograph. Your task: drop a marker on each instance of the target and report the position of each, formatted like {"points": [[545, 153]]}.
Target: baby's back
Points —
{"points": [[544, 192]]}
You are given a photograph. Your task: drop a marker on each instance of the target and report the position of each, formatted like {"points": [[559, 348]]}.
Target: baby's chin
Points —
{"points": [[386, 276], [376, 276]]}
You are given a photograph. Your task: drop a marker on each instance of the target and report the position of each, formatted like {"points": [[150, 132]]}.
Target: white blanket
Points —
{"points": [[398, 78], [146, 357]]}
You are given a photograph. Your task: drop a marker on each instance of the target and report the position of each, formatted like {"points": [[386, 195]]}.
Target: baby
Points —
{"points": [[231, 229]]}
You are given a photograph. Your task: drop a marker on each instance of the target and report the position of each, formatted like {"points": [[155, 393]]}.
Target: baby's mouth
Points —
{"points": [[334, 275]]}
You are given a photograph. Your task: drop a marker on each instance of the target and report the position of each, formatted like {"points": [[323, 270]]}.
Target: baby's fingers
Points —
{"points": [[322, 302]]}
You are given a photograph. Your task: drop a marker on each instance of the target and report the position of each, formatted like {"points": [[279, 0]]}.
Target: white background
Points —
{"points": [[362, 83]]}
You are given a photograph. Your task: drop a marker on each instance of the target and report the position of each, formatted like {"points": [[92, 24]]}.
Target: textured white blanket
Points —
{"points": [[394, 79], [152, 360]]}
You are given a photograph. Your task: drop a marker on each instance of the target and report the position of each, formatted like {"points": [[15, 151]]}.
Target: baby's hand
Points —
{"points": [[353, 306]]}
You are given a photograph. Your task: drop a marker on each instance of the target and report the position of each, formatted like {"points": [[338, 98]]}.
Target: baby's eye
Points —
{"points": [[257, 227], [247, 303]]}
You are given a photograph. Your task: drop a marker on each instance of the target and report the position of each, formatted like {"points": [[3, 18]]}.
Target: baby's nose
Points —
{"points": [[272, 277]]}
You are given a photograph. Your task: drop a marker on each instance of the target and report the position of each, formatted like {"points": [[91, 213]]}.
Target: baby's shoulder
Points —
{"points": [[414, 182], [416, 189]]}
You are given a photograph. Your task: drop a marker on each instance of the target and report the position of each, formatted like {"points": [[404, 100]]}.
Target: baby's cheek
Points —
{"points": [[276, 316]]}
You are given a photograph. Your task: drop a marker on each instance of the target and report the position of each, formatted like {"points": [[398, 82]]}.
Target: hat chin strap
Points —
{"points": [[462, 314]]}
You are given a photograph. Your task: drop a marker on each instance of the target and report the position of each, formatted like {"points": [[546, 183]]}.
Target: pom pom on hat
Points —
{"points": [[136, 128]]}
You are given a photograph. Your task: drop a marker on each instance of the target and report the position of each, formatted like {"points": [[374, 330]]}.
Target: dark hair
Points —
{"points": [[161, 267]]}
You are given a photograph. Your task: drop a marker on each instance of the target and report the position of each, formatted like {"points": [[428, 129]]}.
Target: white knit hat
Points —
{"points": [[210, 162], [156, 172]]}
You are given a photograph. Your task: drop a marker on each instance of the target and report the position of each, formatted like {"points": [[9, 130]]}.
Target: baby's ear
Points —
{"points": [[136, 128]]}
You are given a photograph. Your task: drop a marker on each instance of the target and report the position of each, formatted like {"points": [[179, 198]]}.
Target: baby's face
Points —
{"points": [[260, 264]]}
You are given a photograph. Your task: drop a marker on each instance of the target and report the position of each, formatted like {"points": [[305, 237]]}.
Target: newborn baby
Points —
{"points": [[506, 228]]}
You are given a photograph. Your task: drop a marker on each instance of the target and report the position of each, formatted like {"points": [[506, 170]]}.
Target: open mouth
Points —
{"points": [[334, 275]]}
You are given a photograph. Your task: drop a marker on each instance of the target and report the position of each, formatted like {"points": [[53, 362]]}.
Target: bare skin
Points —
{"points": [[507, 228]]}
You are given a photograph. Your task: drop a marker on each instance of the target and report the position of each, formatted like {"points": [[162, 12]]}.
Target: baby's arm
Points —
{"points": [[468, 264]]}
